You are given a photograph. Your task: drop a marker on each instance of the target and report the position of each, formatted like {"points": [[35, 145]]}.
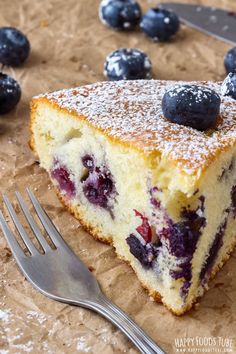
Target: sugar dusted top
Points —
{"points": [[131, 112]]}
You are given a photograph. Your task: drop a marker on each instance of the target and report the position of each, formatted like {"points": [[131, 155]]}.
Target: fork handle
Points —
{"points": [[113, 313]]}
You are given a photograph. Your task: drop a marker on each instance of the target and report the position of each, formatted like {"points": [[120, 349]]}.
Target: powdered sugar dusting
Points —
{"points": [[131, 112]]}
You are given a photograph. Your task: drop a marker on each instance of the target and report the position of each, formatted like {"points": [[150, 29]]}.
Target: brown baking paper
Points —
{"points": [[69, 46]]}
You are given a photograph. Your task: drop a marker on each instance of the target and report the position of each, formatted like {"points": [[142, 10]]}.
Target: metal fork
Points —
{"points": [[59, 273]]}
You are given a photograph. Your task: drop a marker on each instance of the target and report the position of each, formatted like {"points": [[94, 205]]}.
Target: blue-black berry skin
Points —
{"points": [[10, 93], [14, 46], [191, 105], [228, 87], [120, 14], [127, 64], [159, 24], [230, 60]]}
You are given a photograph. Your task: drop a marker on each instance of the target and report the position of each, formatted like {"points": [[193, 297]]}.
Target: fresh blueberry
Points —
{"points": [[229, 86], [14, 46], [191, 105], [120, 14], [10, 93], [127, 64], [159, 24], [230, 60]]}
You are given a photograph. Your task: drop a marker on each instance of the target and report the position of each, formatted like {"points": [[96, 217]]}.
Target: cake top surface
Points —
{"points": [[131, 112]]}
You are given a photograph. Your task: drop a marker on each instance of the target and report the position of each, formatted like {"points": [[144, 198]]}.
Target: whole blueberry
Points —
{"points": [[127, 64], [159, 24], [191, 105], [14, 46], [120, 14], [228, 87], [230, 60], [10, 93]]}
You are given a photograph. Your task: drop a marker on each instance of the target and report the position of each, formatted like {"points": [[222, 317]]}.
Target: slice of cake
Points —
{"points": [[163, 194]]}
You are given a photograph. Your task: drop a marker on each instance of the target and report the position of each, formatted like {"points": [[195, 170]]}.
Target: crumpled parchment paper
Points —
{"points": [[69, 46]]}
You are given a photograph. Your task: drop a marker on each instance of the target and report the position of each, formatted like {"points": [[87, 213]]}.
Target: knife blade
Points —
{"points": [[216, 22]]}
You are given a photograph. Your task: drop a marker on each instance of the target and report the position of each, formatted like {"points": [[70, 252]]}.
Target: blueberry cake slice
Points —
{"points": [[162, 193]]}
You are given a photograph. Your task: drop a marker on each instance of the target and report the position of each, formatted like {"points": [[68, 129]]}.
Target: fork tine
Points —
{"points": [[11, 240], [29, 244], [46, 221], [34, 227]]}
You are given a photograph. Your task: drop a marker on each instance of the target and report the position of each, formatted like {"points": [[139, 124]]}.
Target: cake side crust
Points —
{"points": [[108, 240]]}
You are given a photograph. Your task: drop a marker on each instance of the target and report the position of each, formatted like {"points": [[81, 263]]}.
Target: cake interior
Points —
{"points": [[175, 232]]}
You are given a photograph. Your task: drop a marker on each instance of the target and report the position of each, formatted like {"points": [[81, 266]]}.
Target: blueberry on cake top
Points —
{"points": [[191, 105], [162, 193]]}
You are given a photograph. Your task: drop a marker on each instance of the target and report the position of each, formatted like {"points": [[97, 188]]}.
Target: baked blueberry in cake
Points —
{"points": [[163, 193]]}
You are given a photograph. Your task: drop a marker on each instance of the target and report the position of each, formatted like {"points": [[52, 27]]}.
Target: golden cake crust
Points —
{"points": [[107, 239], [129, 112]]}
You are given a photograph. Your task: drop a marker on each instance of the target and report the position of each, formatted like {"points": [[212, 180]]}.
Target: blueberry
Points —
{"points": [[120, 14], [215, 247], [88, 162], [159, 24], [229, 86], [184, 235], [98, 187], [10, 93], [127, 64], [230, 60], [14, 46], [191, 105], [62, 176], [233, 200], [144, 253]]}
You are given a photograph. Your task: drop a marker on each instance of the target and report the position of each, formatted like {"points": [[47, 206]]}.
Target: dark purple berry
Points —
{"points": [[184, 271], [88, 162], [159, 24], [120, 14], [14, 46], [99, 187], [62, 176], [230, 60], [127, 64], [233, 200], [185, 288], [10, 93], [216, 245], [191, 105], [144, 253], [228, 87]]}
